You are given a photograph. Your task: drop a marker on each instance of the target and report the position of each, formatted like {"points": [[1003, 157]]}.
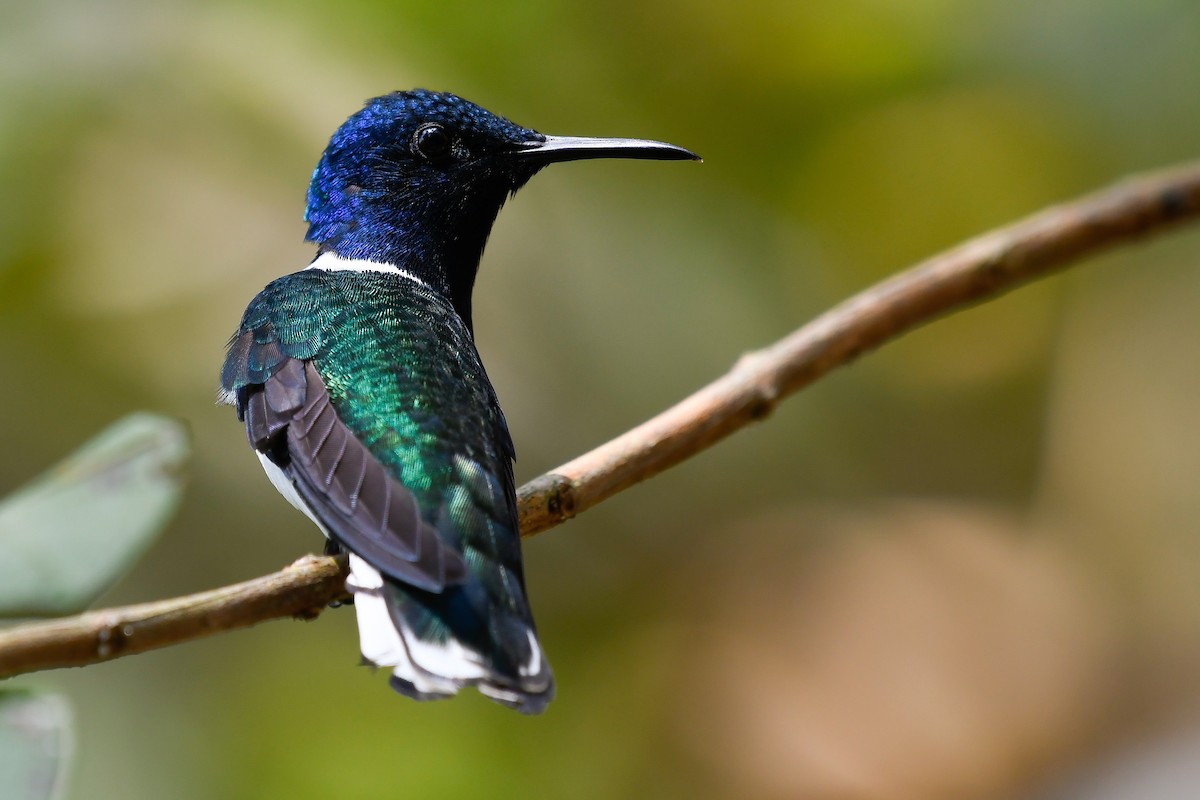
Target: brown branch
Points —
{"points": [[300, 590], [980, 269]]}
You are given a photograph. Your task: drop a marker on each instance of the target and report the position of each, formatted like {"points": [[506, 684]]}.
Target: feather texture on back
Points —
{"points": [[366, 390]]}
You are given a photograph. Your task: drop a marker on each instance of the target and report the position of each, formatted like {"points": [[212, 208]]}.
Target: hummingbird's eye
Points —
{"points": [[431, 140]]}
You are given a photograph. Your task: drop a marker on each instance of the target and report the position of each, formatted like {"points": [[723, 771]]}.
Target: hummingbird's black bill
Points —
{"points": [[577, 148]]}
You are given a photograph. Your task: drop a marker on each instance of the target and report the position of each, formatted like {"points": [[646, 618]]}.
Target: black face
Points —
{"points": [[416, 179], [409, 151]]}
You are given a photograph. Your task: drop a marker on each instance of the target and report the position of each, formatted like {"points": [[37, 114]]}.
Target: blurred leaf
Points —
{"points": [[72, 532], [35, 744]]}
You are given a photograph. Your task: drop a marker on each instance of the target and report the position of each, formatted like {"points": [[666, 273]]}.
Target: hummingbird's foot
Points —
{"points": [[332, 548]]}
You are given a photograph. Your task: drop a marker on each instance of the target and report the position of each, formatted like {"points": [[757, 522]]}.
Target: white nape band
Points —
{"points": [[332, 262]]}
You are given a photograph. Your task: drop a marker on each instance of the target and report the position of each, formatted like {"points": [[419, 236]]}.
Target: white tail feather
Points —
{"points": [[432, 668]]}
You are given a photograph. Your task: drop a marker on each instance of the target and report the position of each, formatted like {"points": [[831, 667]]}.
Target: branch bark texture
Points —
{"points": [[980, 269], [300, 590]]}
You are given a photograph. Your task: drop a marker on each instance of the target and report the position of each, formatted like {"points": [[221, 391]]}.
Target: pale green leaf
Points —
{"points": [[35, 745], [72, 532]]}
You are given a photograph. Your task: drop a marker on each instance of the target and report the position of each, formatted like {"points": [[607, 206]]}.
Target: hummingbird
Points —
{"points": [[364, 398]]}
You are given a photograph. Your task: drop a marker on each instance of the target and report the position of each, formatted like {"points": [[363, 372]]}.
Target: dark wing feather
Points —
{"points": [[288, 414], [346, 488], [360, 504]]}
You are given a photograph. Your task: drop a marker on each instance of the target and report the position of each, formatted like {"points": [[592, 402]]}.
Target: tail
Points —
{"points": [[435, 644]]}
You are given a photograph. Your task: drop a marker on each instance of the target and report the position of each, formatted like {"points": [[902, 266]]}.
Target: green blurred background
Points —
{"points": [[964, 567]]}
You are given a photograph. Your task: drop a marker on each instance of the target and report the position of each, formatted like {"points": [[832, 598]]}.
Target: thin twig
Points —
{"points": [[980, 269], [300, 590]]}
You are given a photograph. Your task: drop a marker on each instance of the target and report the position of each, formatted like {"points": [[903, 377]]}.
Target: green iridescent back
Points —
{"points": [[404, 376]]}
